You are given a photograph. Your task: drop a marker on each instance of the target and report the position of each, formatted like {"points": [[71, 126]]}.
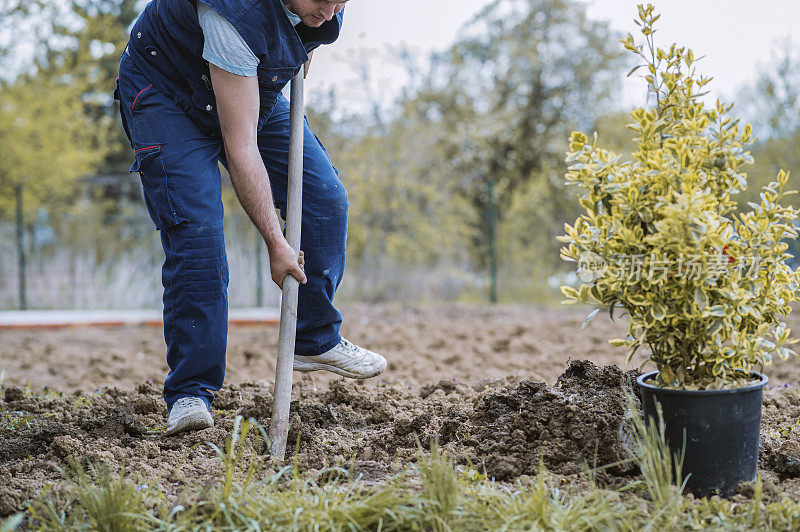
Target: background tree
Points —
{"points": [[507, 95], [57, 121], [772, 104], [404, 215], [45, 145]]}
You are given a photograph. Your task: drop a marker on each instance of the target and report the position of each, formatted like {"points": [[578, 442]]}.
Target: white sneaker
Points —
{"points": [[188, 413], [345, 359]]}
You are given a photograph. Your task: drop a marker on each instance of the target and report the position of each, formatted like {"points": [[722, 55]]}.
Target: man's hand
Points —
{"points": [[284, 261], [237, 106]]}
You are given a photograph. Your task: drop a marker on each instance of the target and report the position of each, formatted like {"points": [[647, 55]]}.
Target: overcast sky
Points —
{"points": [[736, 36]]}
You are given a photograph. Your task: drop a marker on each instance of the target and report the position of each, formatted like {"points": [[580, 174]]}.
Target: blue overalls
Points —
{"points": [[169, 114]]}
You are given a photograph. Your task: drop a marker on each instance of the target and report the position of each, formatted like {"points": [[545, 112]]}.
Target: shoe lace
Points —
{"points": [[352, 347], [183, 404]]}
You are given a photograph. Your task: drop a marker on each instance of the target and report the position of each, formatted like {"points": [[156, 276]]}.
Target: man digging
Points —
{"points": [[199, 83]]}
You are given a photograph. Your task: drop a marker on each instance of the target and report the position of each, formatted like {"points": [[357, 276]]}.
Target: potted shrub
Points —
{"points": [[703, 279]]}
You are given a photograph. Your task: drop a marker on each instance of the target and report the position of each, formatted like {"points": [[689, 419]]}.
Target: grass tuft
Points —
{"points": [[253, 492], [104, 500], [440, 486], [662, 471]]}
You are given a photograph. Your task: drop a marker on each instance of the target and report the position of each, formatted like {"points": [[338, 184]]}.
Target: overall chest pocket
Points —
{"points": [[203, 92], [205, 100], [203, 106], [270, 83]]}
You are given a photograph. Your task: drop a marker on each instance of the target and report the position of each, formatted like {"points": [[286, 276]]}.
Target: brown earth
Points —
{"points": [[423, 344], [484, 382], [502, 427]]}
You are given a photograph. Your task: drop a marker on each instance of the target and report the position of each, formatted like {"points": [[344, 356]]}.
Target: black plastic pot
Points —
{"points": [[722, 429]]}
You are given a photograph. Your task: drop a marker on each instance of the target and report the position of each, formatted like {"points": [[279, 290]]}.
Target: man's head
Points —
{"points": [[314, 12]]}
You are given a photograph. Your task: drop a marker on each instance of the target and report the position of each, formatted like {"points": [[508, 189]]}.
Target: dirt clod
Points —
{"points": [[578, 423]]}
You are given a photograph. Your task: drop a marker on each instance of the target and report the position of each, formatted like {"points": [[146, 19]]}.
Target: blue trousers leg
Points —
{"points": [[183, 193], [323, 232]]}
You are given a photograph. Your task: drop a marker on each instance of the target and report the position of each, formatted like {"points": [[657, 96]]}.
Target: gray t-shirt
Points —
{"points": [[223, 45]]}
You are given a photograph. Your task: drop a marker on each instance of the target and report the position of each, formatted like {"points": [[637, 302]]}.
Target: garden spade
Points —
{"points": [[279, 426]]}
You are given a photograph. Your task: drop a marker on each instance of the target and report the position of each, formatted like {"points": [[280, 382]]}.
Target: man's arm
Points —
{"points": [[237, 107]]}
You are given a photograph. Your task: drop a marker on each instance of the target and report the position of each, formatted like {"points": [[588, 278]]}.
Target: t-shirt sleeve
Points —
{"points": [[224, 46]]}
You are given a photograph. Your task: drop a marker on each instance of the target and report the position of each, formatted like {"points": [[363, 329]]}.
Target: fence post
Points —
{"points": [[492, 247], [23, 303]]}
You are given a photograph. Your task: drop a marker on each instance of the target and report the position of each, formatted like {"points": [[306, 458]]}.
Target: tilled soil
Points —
{"points": [[502, 427], [448, 382], [423, 345]]}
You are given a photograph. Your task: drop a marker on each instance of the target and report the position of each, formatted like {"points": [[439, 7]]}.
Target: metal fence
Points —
{"points": [[57, 277]]}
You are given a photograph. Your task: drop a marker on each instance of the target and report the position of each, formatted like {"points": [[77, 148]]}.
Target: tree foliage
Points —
{"points": [[91, 61], [772, 101], [403, 211], [523, 75], [57, 121], [45, 142]]}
